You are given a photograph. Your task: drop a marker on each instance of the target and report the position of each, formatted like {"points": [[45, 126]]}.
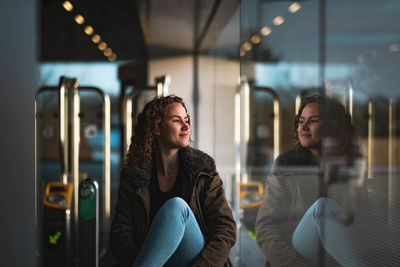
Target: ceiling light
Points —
{"points": [[278, 20], [293, 8], [113, 57], [247, 46], [265, 31], [68, 6], [102, 46], [96, 38], [79, 19], [89, 30], [108, 52], [255, 39], [393, 47]]}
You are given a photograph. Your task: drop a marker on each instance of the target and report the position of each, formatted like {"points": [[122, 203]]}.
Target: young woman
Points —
{"points": [[171, 207], [294, 223]]}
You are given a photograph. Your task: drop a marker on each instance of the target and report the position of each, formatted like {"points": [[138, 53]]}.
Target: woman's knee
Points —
{"points": [[176, 206], [176, 203], [325, 207]]}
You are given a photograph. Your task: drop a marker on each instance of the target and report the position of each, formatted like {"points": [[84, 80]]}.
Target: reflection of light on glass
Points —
{"points": [[166, 85], [96, 38], [246, 96], [371, 126], [392, 159], [79, 19], [276, 128], [242, 53], [159, 89], [278, 20], [351, 97], [89, 30], [162, 87], [128, 118], [245, 178], [293, 8], [113, 57], [102, 46], [68, 6], [237, 136], [393, 47], [108, 52], [247, 46], [360, 58], [255, 39], [297, 105], [265, 31]]}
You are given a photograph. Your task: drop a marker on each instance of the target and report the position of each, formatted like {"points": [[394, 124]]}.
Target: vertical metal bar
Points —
{"points": [[167, 83], [128, 122], [36, 166], [351, 102], [160, 90], [245, 127], [237, 132], [277, 130], [391, 164], [297, 104], [163, 85], [63, 105], [106, 173], [276, 111], [371, 124], [75, 140]]}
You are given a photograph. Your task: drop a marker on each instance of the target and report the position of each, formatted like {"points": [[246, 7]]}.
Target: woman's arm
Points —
{"points": [[221, 226], [122, 244], [275, 222]]}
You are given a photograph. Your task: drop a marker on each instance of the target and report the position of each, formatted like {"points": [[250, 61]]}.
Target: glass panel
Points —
{"points": [[338, 164], [362, 50], [218, 68], [280, 62]]}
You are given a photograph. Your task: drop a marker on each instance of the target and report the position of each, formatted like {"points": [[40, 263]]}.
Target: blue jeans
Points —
{"points": [[323, 224], [174, 237]]}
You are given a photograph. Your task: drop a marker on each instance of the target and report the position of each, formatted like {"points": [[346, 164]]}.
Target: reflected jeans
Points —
{"points": [[174, 237], [324, 224]]}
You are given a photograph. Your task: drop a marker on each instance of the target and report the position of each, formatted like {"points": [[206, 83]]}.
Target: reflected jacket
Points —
{"points": [[202, 186], [290, 189]]}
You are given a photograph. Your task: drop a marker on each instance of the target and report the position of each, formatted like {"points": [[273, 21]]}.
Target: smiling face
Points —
{"points": [[175, 128], [309, 127]]}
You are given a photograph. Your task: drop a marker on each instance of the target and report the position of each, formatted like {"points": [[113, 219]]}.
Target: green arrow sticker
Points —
{"points": [[54, 238]]}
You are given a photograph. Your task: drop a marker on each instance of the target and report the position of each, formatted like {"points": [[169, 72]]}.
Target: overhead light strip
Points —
{"points": [[88, 29], [267, 30]]}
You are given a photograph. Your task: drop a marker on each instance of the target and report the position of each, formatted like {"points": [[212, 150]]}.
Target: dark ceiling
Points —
{"points": [[134, 30], [116, 21]]}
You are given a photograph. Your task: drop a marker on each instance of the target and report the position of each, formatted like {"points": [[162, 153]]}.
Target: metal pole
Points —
{"points": [[371, 126], [392, 183], [106, 173], [75, 140]]}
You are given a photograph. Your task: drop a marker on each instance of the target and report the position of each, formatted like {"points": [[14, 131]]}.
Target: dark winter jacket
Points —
{"points": [[290, 190], [202, 186]]}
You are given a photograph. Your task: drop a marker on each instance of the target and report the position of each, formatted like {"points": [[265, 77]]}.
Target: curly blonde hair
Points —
{"points": [[147, 127]]}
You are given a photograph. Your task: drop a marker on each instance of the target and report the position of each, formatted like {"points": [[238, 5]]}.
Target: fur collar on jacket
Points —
{"points": [[297, 156], [192, 161]]}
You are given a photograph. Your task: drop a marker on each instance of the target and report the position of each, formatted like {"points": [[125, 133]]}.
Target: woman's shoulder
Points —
{"points": [[297, 156], [137, 175], [196, 161]]}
